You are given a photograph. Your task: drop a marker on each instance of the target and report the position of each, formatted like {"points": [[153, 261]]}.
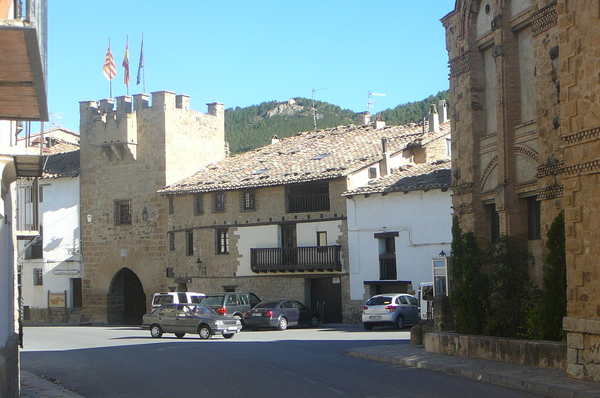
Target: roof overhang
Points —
{"points": [[23, 84], [29, 165]]}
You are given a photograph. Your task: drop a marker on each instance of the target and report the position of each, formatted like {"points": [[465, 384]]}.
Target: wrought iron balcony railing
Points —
{"points": [[311, 258], [307, 203]]}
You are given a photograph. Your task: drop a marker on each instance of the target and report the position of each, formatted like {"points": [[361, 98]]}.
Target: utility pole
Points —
{"points": [[315, 116]]}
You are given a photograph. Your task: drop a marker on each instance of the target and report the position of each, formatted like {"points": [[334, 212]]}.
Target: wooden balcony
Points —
{"points": [[296, 259], [23, 70]]}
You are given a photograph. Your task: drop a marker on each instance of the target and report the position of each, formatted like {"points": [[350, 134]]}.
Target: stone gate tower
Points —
{"points": [[127, 154]]}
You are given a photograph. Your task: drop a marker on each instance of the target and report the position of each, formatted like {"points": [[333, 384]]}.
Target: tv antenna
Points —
{"points": [[315, 114], [370, 100]]}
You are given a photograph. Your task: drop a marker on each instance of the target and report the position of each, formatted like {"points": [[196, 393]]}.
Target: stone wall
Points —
{"points": [[547, 354], [9, 368]]}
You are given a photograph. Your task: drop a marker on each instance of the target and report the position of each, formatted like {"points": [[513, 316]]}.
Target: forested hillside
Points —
{"points": [[253, 126]]}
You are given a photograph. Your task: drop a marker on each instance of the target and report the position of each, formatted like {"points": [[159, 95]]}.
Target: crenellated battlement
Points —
{"points": [[113, 125]]}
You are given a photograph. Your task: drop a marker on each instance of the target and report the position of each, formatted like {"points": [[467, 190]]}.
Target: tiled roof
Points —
{"points": [[309, 156], [63, 161], [424, 176]]}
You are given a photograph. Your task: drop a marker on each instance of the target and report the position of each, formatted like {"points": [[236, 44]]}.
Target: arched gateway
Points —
{"points": [[126, 300]]}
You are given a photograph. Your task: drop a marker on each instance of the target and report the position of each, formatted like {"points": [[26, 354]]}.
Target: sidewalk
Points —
{"points": [[33, 386], [542, 381]]}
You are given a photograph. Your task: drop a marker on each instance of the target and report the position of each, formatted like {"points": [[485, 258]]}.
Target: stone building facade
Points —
{"points": [[128, 153], [523, 86]]}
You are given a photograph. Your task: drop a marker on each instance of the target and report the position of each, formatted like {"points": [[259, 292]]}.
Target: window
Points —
{"points": [[222, 241], [387, 255], [198, 205], [38, 276], [189, 243], [534, 227], [219, 202], [248, 198], [123, 212], [41, 194], [37, 249], [171, 205], [448, 147], [171, 241], [494, 222], [372, 173]]}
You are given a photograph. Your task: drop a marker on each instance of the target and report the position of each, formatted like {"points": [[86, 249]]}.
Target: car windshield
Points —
{"points": [[379, 301], [267, 304], [212, 300]]}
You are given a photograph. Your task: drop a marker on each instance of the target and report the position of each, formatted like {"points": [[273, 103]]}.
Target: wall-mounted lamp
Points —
{"points": [[145, 214], [201, 268], [442, 254], [89, 217]]}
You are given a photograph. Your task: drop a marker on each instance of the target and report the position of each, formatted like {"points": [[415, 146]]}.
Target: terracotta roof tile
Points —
{"points": [[309, 156], [63, 161]]}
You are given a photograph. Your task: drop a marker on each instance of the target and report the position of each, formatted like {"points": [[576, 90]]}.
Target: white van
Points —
{"points": [[176, 298], [426, 301]]}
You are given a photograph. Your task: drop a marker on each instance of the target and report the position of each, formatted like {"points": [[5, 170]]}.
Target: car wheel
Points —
{"points": [[204, 332], [314, 322], [229, 335], [399, 322], [179, 335], [283, 323], [156, 331], [368, 326]]}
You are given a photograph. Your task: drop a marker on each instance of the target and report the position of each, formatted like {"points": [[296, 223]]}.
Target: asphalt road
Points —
{"points": [[103, 362]]}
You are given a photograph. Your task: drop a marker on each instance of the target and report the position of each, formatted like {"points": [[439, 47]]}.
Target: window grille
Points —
{"points": [[38, 276], [123, 212]]}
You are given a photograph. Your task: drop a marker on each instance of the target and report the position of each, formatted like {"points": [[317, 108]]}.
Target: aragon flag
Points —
{"points": [[109, 69]]}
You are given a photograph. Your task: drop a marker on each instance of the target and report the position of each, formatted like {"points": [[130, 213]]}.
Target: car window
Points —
{"points": [[286, 304], [181, 310], [243, 299], [182, 297], [401, 300], [412, 300], [196, 299], [267, 304], [254, 300], [232, 299], [213, 300], [379, 300], [298, 305], [163, 299], [168, 311]]}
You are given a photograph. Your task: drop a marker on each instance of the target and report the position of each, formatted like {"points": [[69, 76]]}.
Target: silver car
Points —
{"points": [[396, 309], [189, 318]]}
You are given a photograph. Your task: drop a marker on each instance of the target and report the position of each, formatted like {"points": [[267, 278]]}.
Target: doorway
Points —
{"points": [[326, 297], [126, 300]]}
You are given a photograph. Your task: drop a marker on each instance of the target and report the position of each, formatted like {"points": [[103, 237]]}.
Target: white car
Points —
{"points": [[395, 309]]}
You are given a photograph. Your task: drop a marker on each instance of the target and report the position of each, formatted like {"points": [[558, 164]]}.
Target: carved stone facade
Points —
{"points": [[526, 135], [127, 155]]}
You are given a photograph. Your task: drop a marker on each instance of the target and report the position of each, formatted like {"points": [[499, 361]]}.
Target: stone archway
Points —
{"points": [[126, 300]]}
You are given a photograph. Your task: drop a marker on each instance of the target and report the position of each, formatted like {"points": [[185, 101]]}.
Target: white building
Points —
{"points": [[396, 225], [51, 267]]}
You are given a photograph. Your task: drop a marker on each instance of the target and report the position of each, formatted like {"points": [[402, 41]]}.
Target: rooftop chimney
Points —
{"points": [[274, 139], [379, 123], [443, 111], [365, 118], [434, 121], [384, 164]]}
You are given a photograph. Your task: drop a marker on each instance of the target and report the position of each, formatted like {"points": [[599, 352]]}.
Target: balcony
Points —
{"points": [[23, 70], [308, 203], [387, 269], [296, 259]]}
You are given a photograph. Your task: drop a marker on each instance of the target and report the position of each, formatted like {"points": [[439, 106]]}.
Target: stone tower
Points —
{"points": [[127, 154]]}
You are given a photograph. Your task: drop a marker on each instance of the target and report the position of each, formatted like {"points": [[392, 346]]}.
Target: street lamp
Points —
{"points": [[201, 268], [145, 214], [89, 217], [442, 254]]}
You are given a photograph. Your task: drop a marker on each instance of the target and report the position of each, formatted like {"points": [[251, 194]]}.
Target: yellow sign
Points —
{"points": [[56, 300]]}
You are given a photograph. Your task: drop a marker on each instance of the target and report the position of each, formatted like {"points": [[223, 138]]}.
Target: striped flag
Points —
{"points": [[126, 65], [139, 74], [109, 69]]}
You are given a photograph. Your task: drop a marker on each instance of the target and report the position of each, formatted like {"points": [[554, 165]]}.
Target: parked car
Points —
{"points": [[232, 304], [176, 298], [189, 318], [396, 309], [280, 314]]}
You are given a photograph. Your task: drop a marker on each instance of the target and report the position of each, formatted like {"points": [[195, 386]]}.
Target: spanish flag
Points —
{"points": [[126, 64]]}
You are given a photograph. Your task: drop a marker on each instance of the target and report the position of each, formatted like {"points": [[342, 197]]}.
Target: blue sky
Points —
{"points": [[242, 52]]}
